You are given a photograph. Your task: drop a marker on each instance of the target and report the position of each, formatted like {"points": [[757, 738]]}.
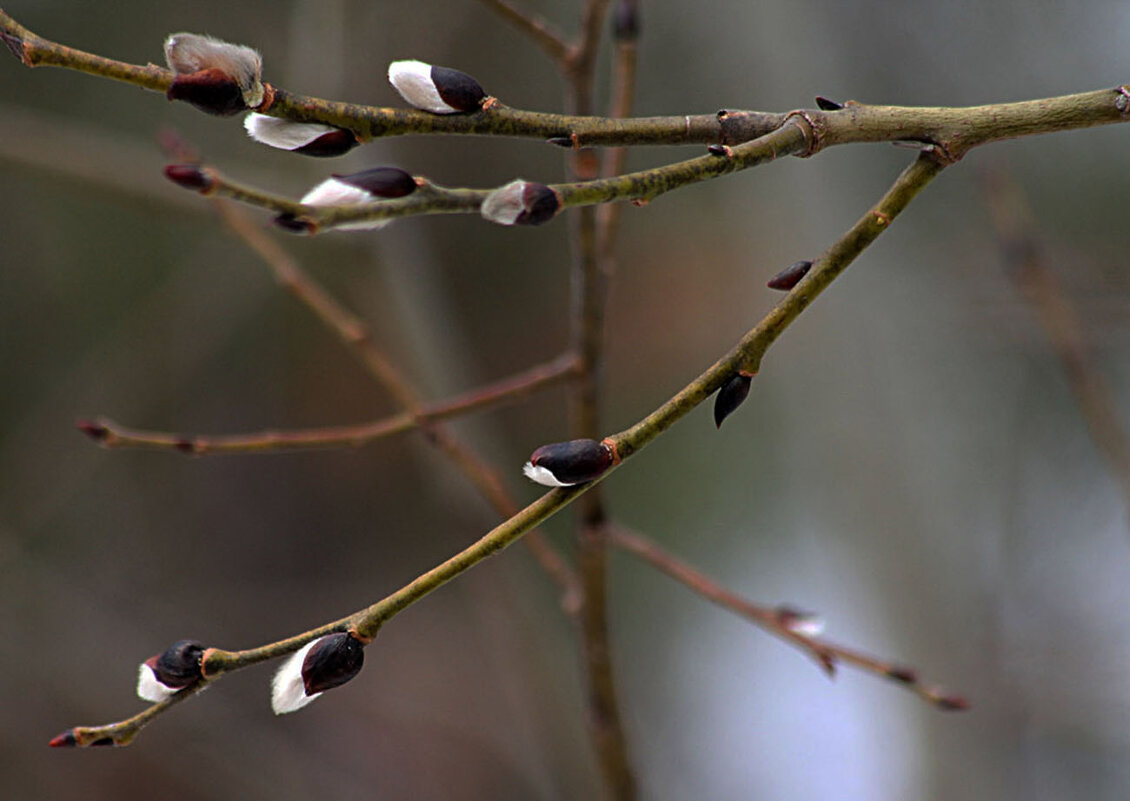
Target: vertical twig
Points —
{"points": [[589, 293], [1038, 285]]}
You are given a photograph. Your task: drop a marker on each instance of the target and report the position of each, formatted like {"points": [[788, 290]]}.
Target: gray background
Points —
{"points": [[911, 461]]}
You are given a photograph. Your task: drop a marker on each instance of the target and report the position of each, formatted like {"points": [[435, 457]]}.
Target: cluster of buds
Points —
{"points": [[307, 138], [564, 464], [440, 90], [367, 186], [215, 76], [167, 673], [321, 665], [521, 203]]}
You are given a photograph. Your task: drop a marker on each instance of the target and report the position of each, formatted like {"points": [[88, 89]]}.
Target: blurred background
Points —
{"points": [[911, 462]]}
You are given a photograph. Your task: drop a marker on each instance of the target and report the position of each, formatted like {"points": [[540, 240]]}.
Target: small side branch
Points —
{"points": [[781, 621], [541, 32]]}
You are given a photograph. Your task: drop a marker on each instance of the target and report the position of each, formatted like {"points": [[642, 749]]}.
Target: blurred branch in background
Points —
{"points": [[1024, 257]]}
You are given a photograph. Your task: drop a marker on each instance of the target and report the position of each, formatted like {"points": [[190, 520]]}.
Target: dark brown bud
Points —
{"points": [[189, 176], [96, 431], [719, 150], [328, 145], [824, 104], [288, 222], [213, 91], [565, 463], [381, 182], [790, 276], [179, 665], [903, 674], [561, 141], [458, 89], [440, 90], [334, 660], [731, 396]]}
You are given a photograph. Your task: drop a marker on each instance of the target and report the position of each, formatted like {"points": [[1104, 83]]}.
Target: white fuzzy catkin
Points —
{"points": [[187, 53], [288, 692], [283, 134], [413, 80]]}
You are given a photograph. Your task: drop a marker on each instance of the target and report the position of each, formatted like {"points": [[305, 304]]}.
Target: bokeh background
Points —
{"points": [[911, 462]]}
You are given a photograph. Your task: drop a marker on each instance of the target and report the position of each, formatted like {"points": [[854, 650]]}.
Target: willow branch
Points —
{"points": [[749, 351], [781, 621], [955, 130], [1037, 284]]}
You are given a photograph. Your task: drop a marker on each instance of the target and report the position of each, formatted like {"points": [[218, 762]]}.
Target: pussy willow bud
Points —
{"points": [[824, 104], [790, 276], [163, 675], [440, 90], [189, 176], [307, 138], [368, 186], [521, 203], [731, 396], [321, 665], [215, 76], [563, 464]]}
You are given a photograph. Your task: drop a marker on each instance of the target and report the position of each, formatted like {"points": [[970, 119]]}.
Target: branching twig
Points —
{"points": [[1035, 281], [547, 37], [781, 621]]}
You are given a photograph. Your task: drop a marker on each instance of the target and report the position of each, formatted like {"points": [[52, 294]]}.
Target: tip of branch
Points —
{"points": [[96, 431], [189, 176], [64, 740], [953, 703]]}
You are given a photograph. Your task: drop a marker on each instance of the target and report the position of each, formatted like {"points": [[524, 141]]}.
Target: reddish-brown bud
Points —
{"points": [[335, 143], [215, 76], [189, 176], [64, 740], [731, 396], [96, 431], [565, 463], [212, 91], [790, 276]]}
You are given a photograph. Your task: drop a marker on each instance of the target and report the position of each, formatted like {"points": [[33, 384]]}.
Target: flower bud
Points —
{"points": [[731, 396], [521, 203], [321, 665], [307, 138], [824, 104], [215, 76], [64, 740], [163, 675], [439, 90], [807, 624], [367, 186], [563, 464], [790, 276], [189, 176]]}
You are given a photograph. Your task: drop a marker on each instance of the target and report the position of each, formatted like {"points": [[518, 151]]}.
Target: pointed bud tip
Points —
{"points": [[189, 176], [64, 740], [954, 703], [730, 396], [824, 104], [790, 276], [96, 431]]}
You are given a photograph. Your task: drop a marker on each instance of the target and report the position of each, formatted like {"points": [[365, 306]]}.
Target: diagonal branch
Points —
{"points": [[781, 621], [749, 351], [540, 31]]}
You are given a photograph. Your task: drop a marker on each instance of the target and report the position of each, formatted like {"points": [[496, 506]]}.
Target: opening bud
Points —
{"points": [[563, 464], [215, 76], [307, 138], [521, 203], [321, 665], [368, 186], [163, 675], [731, 396], [790, 276], [439, 90]]}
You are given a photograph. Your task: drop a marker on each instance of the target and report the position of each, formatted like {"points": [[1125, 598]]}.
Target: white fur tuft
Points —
{"points": [[413, 80], [288, 693], [542, 476]]}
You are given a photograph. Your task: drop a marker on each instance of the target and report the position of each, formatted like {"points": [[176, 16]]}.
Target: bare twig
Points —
{"points": [[543, 34], [1038, 285], [780, 621]]}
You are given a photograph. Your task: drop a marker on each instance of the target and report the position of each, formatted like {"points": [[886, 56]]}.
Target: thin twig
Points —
{"points": [[748, 351], [781, 621], [1038, 285], [543, 34]]}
